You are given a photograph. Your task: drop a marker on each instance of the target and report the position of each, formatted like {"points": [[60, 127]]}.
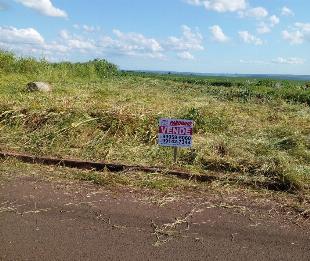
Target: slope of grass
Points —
{"points": [[115, 118]]}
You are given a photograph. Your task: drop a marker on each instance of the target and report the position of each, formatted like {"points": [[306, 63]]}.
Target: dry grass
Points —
{"points": [[115, 119]]}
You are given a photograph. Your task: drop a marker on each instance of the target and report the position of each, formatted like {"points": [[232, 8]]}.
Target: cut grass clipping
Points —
{"points": [[255, 128]]}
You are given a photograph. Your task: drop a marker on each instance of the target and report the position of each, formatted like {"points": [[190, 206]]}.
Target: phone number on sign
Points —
{"points": [[176, 139]]}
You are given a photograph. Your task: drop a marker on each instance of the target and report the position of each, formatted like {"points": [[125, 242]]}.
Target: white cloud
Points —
{"points": [[249, 38], [305, 27], [20, 36], [138, 44], [185, 56], [286, 11], [274, 20], [220, 5], [54, 47], [87, 28], [279, 60], [266, 22], [189, 41], [266, 26], [76, 42], [218, 34], [298, 34], [136, 41], [291, 60], [81, 44], [106, 41], [194, 2], [64, 34], [130, 44], [135, 44], [28, 41], [257, 12], [159, 56], [294, 37], [305, 30], [44, 7], [225, 5]]}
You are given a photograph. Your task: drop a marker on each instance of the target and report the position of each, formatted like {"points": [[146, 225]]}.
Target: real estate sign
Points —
{"points": [[175, 133]]}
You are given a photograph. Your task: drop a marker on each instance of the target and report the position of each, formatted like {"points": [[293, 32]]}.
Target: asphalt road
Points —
{"points": [[42, 220]]}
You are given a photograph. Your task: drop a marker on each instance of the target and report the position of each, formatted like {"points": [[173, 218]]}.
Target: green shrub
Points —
{"points": [[42, 70]]}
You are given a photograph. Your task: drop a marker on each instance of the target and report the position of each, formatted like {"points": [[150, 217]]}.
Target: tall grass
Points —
{"points": [[63, 71], [256, 128], [239, 88]]}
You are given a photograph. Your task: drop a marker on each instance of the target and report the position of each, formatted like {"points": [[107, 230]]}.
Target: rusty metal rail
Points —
{"points": [[275, 183], [99, 166]]}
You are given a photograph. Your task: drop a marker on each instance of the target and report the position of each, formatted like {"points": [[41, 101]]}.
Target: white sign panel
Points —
{"points": [[175, 133]]}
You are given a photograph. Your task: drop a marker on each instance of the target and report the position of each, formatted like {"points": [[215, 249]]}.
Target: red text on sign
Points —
{"points": [[181, 123], [175, 130]]}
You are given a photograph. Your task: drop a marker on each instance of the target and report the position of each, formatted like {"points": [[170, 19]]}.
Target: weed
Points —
{"points": [[95, 113]]}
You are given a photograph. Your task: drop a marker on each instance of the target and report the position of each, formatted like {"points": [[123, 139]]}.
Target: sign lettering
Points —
{"points": [[175, 133]]}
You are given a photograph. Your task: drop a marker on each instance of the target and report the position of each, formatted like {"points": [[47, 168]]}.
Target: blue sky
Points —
{"points": [[216, 36]]}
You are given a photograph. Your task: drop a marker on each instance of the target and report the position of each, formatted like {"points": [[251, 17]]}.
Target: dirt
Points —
{"points": [[43, 220]]}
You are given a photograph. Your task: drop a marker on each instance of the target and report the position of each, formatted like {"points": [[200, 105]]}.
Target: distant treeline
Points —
{"points": [[95, 69]]}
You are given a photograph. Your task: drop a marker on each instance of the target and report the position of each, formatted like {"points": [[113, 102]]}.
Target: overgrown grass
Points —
{"points": [[243, 90], [30, 68], [252, 127]]}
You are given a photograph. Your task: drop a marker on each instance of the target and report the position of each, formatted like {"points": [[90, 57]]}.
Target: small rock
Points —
{"points": [[39, 86]]}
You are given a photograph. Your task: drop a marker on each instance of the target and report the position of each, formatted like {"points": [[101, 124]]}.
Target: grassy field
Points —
{"points": [[257, 129]]}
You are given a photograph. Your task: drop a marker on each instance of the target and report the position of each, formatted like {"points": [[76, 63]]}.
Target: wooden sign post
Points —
{"points": [[175, 154]]}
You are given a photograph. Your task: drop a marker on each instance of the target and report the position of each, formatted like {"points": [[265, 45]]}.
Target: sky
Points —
{"points": [[206, 36]]}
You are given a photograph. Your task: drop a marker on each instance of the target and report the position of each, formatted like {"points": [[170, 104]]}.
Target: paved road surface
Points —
{"points": [[42, 220]]}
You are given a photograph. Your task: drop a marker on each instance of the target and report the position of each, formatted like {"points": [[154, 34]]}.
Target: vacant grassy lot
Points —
{"points": [[248, 127]]}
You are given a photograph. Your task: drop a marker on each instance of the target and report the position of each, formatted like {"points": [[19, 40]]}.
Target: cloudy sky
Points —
{"points": [[217, 36]]}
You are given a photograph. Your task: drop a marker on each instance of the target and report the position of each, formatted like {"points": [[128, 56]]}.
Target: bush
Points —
{"points": [[96, 69]]}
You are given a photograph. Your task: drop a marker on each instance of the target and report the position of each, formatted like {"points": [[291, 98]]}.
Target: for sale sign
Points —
{"points": [[175, 133]]}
